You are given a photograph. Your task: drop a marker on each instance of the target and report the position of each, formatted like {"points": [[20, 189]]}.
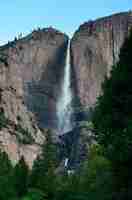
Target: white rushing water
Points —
{"points": [[66, 162], [64, 108]]}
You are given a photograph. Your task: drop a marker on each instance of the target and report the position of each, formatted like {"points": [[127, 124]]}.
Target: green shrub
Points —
{"points": [[24, 136], [35, 194], [3, 120]]}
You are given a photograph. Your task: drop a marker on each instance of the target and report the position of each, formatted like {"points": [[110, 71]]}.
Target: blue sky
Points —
{"points": [[18, 16]]}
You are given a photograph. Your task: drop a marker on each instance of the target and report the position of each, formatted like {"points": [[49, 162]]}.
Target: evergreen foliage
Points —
{"points": [[113, 112], [113, 120], [43, 172], [20, 177], [23, 135], [7, 190], [96, 177], [3, 120]]}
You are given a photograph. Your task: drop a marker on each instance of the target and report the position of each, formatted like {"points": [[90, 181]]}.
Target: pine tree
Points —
{"points": [[6, 188], [113, 112], [68, 187], [43, 171], [96, 175], [20, 177], [113, 119]]}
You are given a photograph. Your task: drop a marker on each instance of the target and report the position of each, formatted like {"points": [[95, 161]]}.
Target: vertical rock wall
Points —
{"points": [[95, 48], [30, 73]]}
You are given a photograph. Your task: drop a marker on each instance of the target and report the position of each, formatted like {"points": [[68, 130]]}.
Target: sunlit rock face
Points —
{"points": [[95, 47], [30, 73], [39, 83]]}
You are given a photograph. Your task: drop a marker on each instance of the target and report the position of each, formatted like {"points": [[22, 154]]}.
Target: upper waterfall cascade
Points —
{"points": [[64, 108]]}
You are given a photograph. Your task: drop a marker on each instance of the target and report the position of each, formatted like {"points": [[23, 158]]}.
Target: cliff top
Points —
{"points": [[37, 34], [104, 23]]}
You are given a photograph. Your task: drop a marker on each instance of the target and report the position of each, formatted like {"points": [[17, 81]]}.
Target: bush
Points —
{"points": [[35, 194], [3, 120], [23, 136]]}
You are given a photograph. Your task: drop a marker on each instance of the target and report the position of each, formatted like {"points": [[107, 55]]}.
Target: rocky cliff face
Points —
{"points": [[95, 47], [30, 73], [31, 70]]}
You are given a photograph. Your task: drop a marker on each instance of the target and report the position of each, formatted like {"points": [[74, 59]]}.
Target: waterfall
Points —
{"points": [[64, 108], [66, 162]]}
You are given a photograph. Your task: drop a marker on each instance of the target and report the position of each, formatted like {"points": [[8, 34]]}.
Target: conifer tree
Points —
{"points": [[96, 175], [113, 119], [6, 187], [43, 171], [20, 177]]}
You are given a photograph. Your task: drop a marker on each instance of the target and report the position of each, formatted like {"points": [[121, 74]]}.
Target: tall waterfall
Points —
{"points": [[64, 108]]}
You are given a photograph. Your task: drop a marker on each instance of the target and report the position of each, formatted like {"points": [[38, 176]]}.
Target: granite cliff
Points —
{"points": [[30, 75], [95, 47]]}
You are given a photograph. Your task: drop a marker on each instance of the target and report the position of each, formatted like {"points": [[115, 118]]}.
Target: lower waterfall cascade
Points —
{"points": [[64, 108]]}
